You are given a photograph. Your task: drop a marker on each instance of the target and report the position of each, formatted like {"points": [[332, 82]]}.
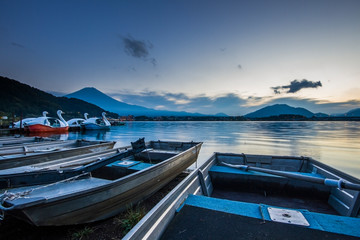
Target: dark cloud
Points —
{"points": [[17, 45], [239, 66], [138, 49], [296, 86], [135, 48]]}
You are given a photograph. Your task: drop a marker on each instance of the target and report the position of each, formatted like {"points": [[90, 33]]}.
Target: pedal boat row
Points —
{"points": [[59, 125]]}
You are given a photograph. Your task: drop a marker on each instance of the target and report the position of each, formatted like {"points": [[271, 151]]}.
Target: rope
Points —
{"points": [[12, 196]]}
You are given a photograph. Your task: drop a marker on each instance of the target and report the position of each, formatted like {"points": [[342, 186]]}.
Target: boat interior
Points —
{"points": [[155, 152], [223, 202], [132, 164], [263, 188]]}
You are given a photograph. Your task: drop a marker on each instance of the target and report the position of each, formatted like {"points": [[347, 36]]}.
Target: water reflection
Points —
{"points": [[335, 143], [90, 135]]}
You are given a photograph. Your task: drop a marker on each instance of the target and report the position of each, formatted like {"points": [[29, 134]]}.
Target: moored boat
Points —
{"points": [[75, 123], [106, 191], [96, 123], [63, 168], [257, 197], [47, 124], [21, 140], [17, 156]]}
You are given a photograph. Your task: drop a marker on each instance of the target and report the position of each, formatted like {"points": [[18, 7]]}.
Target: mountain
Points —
{"points": [[279, 109], [353, 113], [321, 115], [94, 96], [21, 99]]}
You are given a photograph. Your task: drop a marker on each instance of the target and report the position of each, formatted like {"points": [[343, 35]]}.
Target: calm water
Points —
{"points": [[334, 143]]}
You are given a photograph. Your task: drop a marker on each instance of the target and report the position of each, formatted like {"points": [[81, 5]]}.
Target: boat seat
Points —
{"points": [[203, 217], [226, 169], [224, 176]]}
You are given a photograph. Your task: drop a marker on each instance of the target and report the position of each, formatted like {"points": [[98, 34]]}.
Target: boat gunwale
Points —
{"points": [[21, 159], [161, 214]]}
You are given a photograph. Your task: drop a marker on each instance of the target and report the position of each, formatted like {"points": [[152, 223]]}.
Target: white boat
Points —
{"points": [[96, 123], [75, 123], [21, 123], [48, 124]]}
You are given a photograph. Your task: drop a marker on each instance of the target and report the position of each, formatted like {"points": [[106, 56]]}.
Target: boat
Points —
{"points": [[96, 123], [246, 196], [21, 140], [62, 168], [20, 124], [17, 156], [104, 192], [48, 124], [75, 123]]}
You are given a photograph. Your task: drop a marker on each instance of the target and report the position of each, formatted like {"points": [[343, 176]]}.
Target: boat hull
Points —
{"points": [[38, 128], [92, 126], [61, 150], [108, 200]]}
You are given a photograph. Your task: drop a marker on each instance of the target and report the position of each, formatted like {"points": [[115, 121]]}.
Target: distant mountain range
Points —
{"points": [[353, 113], [284, 109], [22, 100], [279, 109], [94, 96]]}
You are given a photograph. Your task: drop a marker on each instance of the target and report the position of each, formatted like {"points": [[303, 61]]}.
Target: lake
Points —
{"points": [[334, 143]]}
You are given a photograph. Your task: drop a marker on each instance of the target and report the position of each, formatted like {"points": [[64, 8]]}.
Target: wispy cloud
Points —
{"points": [[296, 86], [18, 45], [138, 49], [230, 103]]}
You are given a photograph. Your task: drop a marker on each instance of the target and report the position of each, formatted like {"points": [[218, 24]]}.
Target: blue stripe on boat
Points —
{"points": [[318, 221]]}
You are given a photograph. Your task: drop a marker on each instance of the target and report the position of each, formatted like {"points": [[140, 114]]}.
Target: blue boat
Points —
{"points": [[238, 196], [96, 123]]}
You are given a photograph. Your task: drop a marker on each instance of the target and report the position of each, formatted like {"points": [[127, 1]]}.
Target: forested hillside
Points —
{"points": [[23, 100]]}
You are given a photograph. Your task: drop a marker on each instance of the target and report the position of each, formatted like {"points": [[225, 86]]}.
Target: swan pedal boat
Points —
{"points": [[17, 156], [95, 123], [240, 196], [75, 123], [47, 124], [104, 192]]}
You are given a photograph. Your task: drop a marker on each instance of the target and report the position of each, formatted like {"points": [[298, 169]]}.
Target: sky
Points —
{"points": [[201, 56]]}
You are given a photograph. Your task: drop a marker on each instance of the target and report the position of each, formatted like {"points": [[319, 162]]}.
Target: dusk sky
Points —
{"points": [[197, 56]]}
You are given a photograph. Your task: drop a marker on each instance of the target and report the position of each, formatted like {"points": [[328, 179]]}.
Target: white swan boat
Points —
{"points": [[48, 124], [21, 123], [96, 123], [75, 123]]}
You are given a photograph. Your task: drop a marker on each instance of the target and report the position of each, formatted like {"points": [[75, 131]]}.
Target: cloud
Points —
{"points": [[138, 49], [229, 103], [296, 86], [17, 45], [239, 66]]}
